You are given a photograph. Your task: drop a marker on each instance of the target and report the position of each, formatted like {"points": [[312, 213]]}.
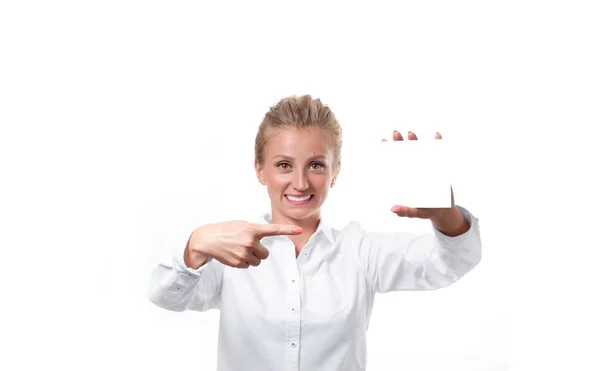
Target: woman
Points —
{"points": [[294, 293]]}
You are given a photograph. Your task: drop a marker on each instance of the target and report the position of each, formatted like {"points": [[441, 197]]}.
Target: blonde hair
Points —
{"points": [[300, 113]]}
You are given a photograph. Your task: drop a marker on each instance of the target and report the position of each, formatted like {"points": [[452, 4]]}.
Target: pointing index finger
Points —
{"points": [[263, 230]]}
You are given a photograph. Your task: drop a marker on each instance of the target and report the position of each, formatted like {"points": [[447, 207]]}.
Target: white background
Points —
{"points": [[126, 124]]}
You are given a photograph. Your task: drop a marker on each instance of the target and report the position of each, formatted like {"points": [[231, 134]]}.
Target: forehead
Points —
{"points": [[298, 143]]}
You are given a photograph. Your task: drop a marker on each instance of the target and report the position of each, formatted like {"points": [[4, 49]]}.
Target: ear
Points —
{"points": [[259, 173], [334, 178]]}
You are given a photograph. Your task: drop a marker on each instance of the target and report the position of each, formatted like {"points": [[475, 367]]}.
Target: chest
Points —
{"points": [[320, 291]]}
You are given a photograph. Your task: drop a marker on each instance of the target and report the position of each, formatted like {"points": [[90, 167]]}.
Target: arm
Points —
{"points": [[176, 286], [192, 279], [405, 261]]}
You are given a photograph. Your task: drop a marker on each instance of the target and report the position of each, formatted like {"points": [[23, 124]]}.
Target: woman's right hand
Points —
{"points": [[234, 243]]}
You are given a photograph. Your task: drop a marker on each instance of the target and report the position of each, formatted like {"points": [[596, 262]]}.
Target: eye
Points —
{"points": [[284, 165], [317, 166]]}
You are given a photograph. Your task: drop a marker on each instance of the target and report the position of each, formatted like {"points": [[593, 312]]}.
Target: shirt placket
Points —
{"points": [[294, 310]]}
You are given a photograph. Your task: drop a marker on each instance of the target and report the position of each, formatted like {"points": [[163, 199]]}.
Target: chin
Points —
{"points": [[298, 214]]}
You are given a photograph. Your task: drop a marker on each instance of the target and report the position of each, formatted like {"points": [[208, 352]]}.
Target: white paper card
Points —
{"points": [[413, 173]]}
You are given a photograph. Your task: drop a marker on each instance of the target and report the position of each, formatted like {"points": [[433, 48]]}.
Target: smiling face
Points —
{"points": [[298, 172]]}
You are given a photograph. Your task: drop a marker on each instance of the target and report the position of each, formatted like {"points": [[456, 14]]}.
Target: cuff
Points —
{"points": [[463, 251]]}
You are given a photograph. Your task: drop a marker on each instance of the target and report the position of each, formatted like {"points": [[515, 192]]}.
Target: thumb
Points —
{"points": [[405, 211]]}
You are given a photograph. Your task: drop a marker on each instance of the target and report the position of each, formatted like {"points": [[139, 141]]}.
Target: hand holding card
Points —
{"points": [[421, 180]]}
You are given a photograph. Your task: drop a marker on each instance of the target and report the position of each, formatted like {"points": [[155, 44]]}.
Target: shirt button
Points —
{"points": [[293, 344], [305, 254], [293, 281], [293, 309]]}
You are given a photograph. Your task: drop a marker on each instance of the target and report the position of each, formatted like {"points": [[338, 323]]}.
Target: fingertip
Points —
{"points": [[296, 230], [398, 209]]}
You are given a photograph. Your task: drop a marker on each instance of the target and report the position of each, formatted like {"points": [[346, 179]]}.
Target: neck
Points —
{"points": [[309, 226]]}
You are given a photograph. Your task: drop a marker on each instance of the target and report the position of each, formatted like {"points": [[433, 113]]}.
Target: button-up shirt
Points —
{"points": [[311, 311]]}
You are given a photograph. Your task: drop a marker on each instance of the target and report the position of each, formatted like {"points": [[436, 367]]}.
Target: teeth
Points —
{"points": [[292, 198]]}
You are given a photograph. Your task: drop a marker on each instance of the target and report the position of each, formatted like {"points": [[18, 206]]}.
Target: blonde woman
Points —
{"points": [[294, 293]]}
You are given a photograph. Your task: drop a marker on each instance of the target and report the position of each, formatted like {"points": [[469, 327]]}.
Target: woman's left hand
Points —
{"points": [[422, 213]]}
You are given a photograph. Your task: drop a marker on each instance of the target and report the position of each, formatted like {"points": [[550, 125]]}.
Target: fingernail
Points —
{"points": [[296, 230]]}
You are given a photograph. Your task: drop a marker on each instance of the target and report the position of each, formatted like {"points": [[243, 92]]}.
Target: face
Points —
{"points": [[298, 172]]}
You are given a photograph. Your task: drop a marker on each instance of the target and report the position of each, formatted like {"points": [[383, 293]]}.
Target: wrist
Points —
{"points": [[194, 257], [450, 222]]}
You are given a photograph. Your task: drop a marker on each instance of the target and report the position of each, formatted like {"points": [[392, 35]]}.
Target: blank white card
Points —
{"points": [[413, 173]]}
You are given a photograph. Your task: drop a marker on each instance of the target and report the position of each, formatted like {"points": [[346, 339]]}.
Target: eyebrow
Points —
{"points": [[286, 157]]}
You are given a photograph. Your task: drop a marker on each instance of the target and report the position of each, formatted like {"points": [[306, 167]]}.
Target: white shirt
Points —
{"points": [[312, 312]]}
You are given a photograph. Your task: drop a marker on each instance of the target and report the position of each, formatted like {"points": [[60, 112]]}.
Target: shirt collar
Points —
{"points": [[323, 226]]}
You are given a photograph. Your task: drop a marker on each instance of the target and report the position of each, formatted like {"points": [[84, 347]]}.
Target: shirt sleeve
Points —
{"points": [[405, 261], [174, 286]]}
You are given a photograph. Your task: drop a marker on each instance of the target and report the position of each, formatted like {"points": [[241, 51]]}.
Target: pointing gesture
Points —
{"points": [[234, 243]]}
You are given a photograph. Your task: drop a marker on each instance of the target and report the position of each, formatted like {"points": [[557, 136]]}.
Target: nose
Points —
{"points": [[300, 182]]}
